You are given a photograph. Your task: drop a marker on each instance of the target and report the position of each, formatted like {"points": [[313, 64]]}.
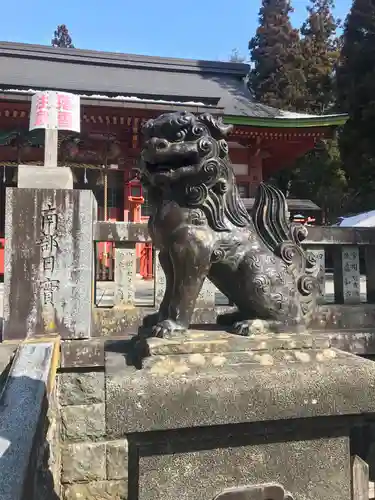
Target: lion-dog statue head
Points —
{"points": [[190, 154]]}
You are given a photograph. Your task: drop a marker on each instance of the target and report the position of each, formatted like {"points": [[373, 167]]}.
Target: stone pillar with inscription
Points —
{"points": [[347, 277], [49, 255], [320, 259]]}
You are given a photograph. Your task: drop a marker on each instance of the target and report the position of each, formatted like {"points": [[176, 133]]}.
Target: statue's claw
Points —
{"points": [[167, 329]]}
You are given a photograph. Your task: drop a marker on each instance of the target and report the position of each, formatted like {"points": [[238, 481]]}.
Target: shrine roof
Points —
{"points": [[137, 79], [293, 204]]}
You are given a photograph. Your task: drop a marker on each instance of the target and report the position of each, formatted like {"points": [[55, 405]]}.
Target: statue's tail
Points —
{"points": [[271, 221], [271, 217]]}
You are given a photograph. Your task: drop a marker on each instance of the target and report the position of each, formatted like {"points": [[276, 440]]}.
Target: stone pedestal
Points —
{"points": [[214, 414], [49, 255]]}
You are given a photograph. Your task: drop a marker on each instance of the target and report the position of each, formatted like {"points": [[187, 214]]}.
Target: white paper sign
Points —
{"points": [[55, 110]]}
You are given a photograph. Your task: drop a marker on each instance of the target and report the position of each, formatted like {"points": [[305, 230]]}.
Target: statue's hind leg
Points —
{"points": [[250, 327], [267, 297], [246, 324], [260, 325], [190, 257]]}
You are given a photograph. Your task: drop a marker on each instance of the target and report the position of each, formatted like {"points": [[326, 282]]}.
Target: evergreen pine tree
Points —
{"points": [[277, 77], [319, 175], [61, 38], [320, 50], [356, 96]]}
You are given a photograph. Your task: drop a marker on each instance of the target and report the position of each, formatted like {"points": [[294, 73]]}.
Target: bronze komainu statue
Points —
{"points": [[203, 230]]}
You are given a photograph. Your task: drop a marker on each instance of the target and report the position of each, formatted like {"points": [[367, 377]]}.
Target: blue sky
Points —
{"points": [[165, 27]]}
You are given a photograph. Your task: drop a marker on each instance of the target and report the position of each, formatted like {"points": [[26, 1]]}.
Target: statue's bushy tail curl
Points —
{"points": [[271, 221], [270, 216]]}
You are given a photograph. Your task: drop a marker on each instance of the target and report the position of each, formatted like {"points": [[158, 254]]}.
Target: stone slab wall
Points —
{"points": [[92, 467]]}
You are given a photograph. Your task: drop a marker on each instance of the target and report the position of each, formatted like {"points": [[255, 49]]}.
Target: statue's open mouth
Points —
{"points": [[164, 155]]}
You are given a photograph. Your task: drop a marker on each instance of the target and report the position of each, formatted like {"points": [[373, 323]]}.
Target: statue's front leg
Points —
{"points": [[162, 313], [191, 263]]}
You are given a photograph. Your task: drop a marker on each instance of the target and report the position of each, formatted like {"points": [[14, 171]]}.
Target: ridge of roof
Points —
{"points": [[195, 106], [84, 56]]}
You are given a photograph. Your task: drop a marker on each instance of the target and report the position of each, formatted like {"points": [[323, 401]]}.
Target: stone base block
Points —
{"points": [[40, 177], [211, 414]]}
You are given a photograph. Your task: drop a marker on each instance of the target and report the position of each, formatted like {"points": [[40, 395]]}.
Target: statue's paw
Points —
{"points": [[251, 327], [167, 329], [150, 320]]}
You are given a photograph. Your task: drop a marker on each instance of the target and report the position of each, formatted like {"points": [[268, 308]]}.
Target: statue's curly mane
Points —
{"points": [[217, 194], [212, 187]]}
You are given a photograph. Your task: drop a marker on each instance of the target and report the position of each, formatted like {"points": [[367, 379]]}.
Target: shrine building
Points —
{"points": [[119, 92]]}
